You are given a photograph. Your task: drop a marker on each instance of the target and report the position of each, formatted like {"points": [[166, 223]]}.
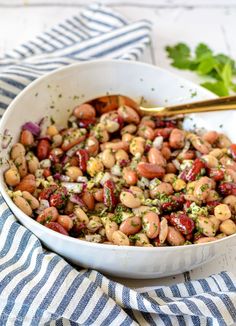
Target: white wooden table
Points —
{"points": [[190, 21]]}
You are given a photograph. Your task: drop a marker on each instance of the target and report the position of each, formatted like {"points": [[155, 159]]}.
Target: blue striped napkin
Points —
{"points": [[40, 288]]}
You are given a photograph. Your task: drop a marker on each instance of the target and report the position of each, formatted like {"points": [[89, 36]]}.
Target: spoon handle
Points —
{"points": [[218, 104]]}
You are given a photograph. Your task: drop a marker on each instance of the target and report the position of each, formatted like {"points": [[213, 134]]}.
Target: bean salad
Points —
{"points": [[114, 177]]}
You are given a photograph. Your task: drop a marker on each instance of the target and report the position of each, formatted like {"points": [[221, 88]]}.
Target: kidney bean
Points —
{"points": [[216, 174], [54, 155], [43, 149], [17, 150], [12, 177], [228, 227], [109, 197], [210, 136], [150, 171], [28, 183], [129, 200], [23, 205], [195, 170], [227, 188], [84, 111], [45, 193], [128, 114], [120, 239], [174, 237], [156, 157], [151, 224], [83, 157], [182, 222], [222, 212], [175, 204], [58, 198], [165, 133], [177, 138], [110, 228], [163, 230], [56, 227], [131, 225], [33, 202]]}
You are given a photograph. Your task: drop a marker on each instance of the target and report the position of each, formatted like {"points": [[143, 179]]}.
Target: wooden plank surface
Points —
{"points": [[192, 21]]}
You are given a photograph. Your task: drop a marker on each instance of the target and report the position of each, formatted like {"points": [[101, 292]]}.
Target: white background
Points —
{"points": [[190, 21]]}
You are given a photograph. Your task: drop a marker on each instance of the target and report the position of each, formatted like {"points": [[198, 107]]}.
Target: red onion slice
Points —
{"points": [[32, 127]]}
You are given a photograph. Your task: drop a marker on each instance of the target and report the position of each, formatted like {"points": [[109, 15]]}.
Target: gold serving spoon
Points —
{"points": [[218, 104]]}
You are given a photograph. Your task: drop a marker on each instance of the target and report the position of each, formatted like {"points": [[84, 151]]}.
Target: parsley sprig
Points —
{"points": [[219, 68]]}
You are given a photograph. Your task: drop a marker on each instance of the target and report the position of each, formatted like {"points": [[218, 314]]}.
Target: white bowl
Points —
{"points": [[70, 86]]}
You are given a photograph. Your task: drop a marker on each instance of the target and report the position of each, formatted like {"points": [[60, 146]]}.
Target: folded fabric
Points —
{"points": [[40, 288]]}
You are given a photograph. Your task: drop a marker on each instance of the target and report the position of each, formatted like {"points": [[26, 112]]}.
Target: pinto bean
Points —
{"points": [[98, 195], [110, 228], [28, 183], [215, 222], [130, 176], [49, 214], [33, 162], [146, 132], [163, 230], [206, 226], [75, 137], [223, 141], [150, 171], [222, 212], [211, 137], [151, 224], [162, 188], [115, 145], [130, 129], [210, 161], [120, 239], [137, 146], [65, 221], [142, 240], [73, 172], [33, 202], [212, 196], [170, 168], [205, 240], [17, 150], [202, 187], [81, 215], [228, 162], [92, 146], [228, 227], [174, 237], [129, 200], [131, 225], [84, 111], [12, 177], [199, 144], [23, 205], [26, 138], [156, 157], [188, 155], [88, 199], [166, 152], [127, 138], [128, 114], [121, 155], [230, 175], [177, 138], [108, 158]]}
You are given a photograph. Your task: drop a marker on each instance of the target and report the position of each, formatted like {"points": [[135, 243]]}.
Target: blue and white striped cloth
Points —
{"points": [[40, 288]]}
